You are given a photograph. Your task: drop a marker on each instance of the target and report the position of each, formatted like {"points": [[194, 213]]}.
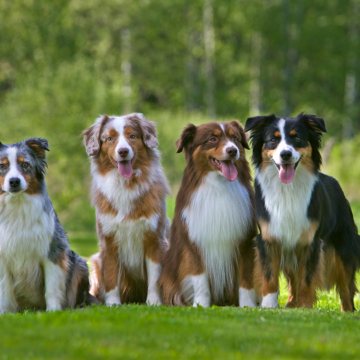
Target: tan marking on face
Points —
{"points": [[4, 161], [306, 159], [293, 132], [231, 133], [277, 134], [217, 132], [20, 159], [32, 184], [266, 155]]}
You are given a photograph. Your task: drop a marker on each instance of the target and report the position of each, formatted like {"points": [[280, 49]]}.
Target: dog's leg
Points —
{"points": [[153, 273], [111, 275], [247, 295], [7, 296], [293, 283], [269, 258], [309, 263], [55, 285], [202, 295]]}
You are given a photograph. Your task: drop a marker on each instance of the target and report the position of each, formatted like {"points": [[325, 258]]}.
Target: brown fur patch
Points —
{"points": [[277, 134], [307, 236], [293, 132], [102, 204], [264, 229], [63, 261], [306, 159]]}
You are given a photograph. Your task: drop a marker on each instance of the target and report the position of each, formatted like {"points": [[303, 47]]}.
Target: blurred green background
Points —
{"points": [[63, 62]]}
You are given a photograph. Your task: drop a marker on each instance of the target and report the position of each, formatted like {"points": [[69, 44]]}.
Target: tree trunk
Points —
{"points": [[255, 72], [209, 42], [126, 69]]}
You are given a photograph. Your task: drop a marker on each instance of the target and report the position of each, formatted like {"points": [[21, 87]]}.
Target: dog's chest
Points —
{"points": [[129, 236], [26, 228], [219, 212], [218, 217], [287, 204]]}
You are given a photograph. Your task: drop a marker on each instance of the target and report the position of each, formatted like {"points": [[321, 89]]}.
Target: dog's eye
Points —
{"points": [[2, 166], [213, 139], [273, 140], [234, 138], [25, 165], [132, 136], [297, 138], [110, 138]]}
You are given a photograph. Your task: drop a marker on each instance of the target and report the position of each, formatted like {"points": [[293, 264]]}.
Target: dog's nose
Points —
{"points": [[123, 152], [14, 182], [286, 155], [232, 151]]}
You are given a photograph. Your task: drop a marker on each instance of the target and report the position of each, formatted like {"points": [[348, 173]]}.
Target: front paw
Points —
{"points": [[53, 306], [270, 301], [153, 300]]}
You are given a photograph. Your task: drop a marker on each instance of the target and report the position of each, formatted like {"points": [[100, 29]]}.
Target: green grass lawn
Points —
{"points": [[140, 332]]}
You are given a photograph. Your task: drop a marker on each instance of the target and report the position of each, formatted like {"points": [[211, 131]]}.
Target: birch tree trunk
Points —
{"points": [[126, 69], [255, 72], [351, 108], [209, 42]]}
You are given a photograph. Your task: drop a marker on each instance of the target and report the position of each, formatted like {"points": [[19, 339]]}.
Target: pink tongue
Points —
{"points": [[125, 168], [228, 169], [286, 173]]}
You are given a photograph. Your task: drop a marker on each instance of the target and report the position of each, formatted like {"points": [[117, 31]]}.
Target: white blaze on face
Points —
{"points": [[119, 125], [284, 146], [229, 144], [13, 171]]}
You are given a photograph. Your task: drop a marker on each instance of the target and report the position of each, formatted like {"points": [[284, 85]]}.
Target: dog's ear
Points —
{"points": [[257, 122], [186, 139], [148, 130], [314, 123], [38, 146], [236, 124], [92, 136]]}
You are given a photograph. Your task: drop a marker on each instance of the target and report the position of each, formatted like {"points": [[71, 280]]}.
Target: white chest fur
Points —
{"points": [[25, 235], [26, 229], [287, 204], [218, 216]]}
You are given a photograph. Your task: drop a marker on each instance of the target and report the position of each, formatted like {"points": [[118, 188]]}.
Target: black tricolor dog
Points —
{"points": [[38, 270], [307, 226]]}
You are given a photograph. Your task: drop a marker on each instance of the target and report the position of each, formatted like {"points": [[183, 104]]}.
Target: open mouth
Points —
{"points": [[287, 171], [226, 167], [124, 167]]}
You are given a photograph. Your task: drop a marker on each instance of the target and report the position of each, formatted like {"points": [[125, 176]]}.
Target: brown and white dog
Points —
{"points": [[128, 192], [211, 254]]}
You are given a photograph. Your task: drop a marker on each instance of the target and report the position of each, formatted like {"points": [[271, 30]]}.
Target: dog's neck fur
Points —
{"points": [[287, 204]]}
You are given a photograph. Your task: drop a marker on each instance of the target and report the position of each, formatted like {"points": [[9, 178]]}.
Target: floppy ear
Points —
{"points": [[257, 121], [243, 139], [92, 136], [314, 123], [148, 129], [38, 146], [186, 138]]}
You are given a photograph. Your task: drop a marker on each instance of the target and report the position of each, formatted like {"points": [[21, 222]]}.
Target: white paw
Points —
{"points": [[153, 299], [53, 306], [270, 301], [112, 298], [201, 302], [247, 298]]}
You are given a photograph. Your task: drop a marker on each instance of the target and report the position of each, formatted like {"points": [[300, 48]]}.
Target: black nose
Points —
{"points": [[232, 151], [286, 155], [14, 182], [123, 152]]}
